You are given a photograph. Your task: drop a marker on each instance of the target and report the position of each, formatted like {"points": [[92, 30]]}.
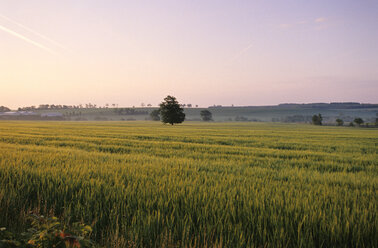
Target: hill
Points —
{"points": [[286, 112]]}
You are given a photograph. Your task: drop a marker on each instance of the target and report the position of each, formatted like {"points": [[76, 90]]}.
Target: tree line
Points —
{"points": [[172, 112], [317, 120], [4, 109]]}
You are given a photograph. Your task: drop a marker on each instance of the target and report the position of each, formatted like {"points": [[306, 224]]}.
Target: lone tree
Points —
{"points": [[206, 115], [4, 109], [155, 115], [339, 122], [170, 111], [358, 121], [317, 119]]}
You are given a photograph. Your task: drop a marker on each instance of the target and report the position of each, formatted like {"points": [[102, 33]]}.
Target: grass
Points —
{"points": [[143, 184]]}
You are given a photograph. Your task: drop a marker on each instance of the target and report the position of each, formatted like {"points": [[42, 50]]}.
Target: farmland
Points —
{"points": [[287, 113], [195, 185]]}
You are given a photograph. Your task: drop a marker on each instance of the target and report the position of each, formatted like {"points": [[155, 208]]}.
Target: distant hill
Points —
{"points": [[285, 112], [332, 105]]}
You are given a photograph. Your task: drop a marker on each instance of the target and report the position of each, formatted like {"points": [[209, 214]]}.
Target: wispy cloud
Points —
{"points": [[22, 37], [34, 32], [320, 20], [241, 52]]}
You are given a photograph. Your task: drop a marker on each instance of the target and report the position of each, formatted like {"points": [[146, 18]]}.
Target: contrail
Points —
{"points": [[244, 50], [26, 39], [35, 32]]}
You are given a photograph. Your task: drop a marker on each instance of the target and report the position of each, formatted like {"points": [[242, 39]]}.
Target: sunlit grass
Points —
{"points": [[230, 185]]}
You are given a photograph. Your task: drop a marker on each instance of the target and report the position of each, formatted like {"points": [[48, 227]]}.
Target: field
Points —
{"points": [[195, 185]]}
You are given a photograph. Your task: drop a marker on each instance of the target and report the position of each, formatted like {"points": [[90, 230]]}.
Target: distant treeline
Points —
{"points": [[4, 109], [130, 111], [53, 106], [332, 105], [31, 117]]}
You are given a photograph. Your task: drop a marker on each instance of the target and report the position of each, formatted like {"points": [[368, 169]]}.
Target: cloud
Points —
{"points": [[20, 36], [241, 52], [34, 32], [320, 20]]}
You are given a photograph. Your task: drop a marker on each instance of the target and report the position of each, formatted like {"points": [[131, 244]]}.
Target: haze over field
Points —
{"points": [[203, 52]]}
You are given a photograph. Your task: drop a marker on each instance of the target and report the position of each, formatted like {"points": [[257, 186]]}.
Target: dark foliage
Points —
{"points": [[4, 109], [317, 119], [48, 232], [358, 121], [170, 111], [339, 122], [206, 115]]}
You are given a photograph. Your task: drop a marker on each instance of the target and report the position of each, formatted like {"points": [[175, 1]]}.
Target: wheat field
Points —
{"points": [[144, 184]]}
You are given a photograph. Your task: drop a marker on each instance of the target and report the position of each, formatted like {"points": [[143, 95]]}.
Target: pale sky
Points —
{"points": [[203, 52]]}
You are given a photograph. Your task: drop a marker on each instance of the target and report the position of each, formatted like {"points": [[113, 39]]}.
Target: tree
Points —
{"points": [[155, 115], [317, 119], [170, 111], [4, 109], [206, 115], [358, 121], [339, 122]]}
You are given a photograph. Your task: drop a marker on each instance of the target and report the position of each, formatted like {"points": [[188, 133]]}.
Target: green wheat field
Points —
{"points": [[145, 184]]}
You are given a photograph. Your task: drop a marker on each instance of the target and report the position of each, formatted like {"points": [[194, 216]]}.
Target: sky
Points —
{"points": [[204, 52]]}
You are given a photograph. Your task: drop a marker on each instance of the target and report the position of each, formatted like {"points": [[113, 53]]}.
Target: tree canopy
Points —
{"points": [[170, 111], [358, 121], [206, 115], [317, 119], [4, 109], [339, 122]]}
